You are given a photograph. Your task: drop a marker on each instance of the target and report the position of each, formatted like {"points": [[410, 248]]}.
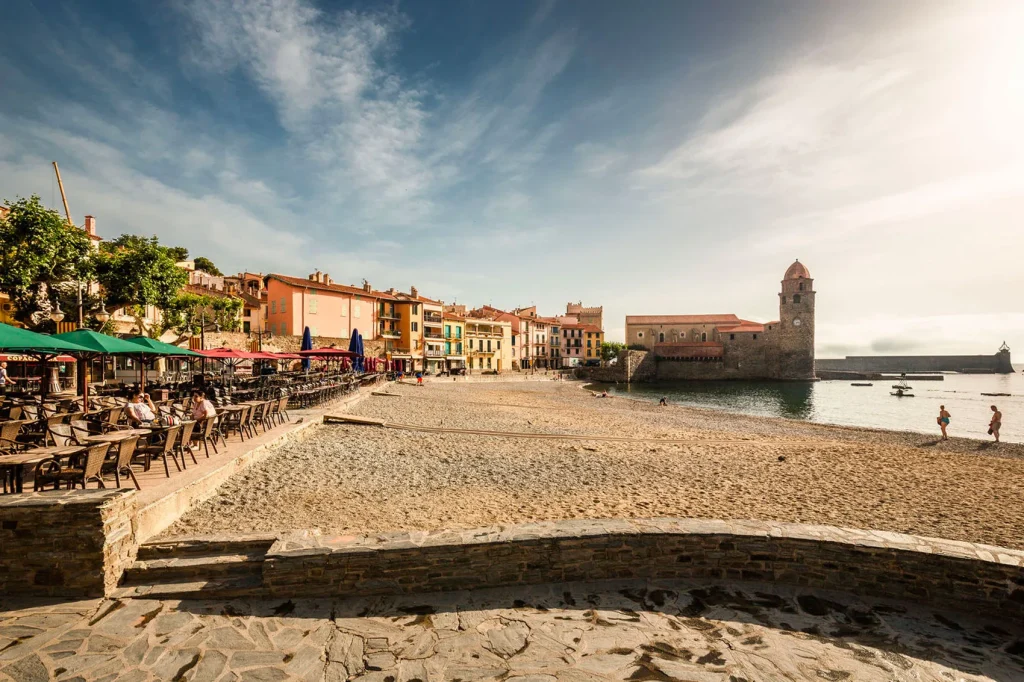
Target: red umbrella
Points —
{"points": [[327, 353]]}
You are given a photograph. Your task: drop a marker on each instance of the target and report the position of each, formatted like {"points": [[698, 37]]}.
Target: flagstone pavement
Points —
{"points": [[551, 633]]}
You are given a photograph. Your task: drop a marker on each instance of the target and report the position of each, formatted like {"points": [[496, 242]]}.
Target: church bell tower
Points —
{"points": [[796, 324]]}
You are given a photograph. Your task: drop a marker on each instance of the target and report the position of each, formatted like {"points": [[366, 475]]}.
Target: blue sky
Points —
{"points": [[653, 157]]}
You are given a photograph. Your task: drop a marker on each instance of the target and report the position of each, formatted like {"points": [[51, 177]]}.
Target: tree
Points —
{"points": [[136, 272], [206, 265], [38, 252], [177, 253], [186, 313], [611, 349]]}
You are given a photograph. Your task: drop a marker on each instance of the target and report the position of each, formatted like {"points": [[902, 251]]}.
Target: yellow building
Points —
{"points": [[488, 345], [433, 334], [593, 337]]}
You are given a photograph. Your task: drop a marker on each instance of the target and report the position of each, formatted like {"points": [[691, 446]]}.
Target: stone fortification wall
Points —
{"points": [[631, 365], [868, 563], [73, 543], [998, 363]]}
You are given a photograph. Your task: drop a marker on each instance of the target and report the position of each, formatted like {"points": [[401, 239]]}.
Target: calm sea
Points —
{"points": [[837, 402]]}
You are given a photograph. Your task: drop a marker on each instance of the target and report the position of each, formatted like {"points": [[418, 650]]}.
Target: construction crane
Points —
{"points": [[63, 196]]}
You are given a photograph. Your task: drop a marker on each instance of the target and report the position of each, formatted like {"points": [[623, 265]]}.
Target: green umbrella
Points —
{"points": [[30, 343], [100, 344], [41, 346], [152, 347]]}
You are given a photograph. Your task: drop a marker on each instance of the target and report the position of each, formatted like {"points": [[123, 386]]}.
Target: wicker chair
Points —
{"points": [[184, 443], [162, 450], [88, 468], [205, 432], [9, 432], [235, 421], [122, 462]]}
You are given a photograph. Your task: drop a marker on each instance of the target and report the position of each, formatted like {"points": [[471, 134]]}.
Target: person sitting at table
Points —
{"points": [[141, 411], [201, 407]]}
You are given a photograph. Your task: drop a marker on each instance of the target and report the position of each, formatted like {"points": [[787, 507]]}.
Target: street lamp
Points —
{"points": [[102, 314], [57, 314]]}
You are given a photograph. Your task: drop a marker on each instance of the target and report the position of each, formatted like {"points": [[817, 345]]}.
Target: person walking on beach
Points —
{"points": [[419, 378], [943, 420], [997, 421]]}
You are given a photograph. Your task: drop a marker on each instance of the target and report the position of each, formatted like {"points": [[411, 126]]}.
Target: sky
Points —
{"points": [[654, 158]]}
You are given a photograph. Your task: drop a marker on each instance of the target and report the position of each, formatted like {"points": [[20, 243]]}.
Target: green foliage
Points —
{"points": [[186, 313], [635, 346], [206, 265], [137, 271], [611, 349], [38, 250], [177, 253]]}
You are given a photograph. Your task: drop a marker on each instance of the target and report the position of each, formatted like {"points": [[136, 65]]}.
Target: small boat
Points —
{"points": [[856, 383], [900, 393], [997, 395]]}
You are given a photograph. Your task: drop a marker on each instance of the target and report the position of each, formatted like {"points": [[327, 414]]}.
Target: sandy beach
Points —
{"points": [[348, 478]]}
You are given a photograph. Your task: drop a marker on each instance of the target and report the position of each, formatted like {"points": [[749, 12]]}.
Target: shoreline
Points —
{"points": [[1003, 448]]}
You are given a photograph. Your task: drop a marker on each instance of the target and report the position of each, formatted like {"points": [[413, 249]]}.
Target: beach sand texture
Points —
{"points": [[365, 479]]}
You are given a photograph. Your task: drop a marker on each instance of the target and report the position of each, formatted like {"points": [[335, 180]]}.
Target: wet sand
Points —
{"points": [[346, 478]]}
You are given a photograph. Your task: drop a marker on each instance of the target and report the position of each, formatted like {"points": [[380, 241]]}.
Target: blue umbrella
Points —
{"points": [[307, 344], [355, 345]]}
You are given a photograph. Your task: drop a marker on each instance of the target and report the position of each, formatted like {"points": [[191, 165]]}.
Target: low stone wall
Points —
{"points": [[868, 563], [66, 543]]}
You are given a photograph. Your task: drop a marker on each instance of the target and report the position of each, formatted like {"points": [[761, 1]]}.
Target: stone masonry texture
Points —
{"points": [[880, 564], [66, 543]]}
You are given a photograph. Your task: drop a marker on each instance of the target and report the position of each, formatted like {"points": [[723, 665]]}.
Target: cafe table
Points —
{"points": [[16, 463], [116, 436]]}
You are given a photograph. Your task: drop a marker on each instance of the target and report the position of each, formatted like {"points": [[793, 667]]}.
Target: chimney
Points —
{"points": [[366, 286], [90, 226], [327, 279], [413, 292], [317, 277]]}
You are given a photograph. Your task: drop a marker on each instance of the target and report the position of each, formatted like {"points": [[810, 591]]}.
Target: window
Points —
{"points": [[282, 304], [801, 286], [344, 311], [661, 338], [499, 345], [458, 349], [471, 344], [513, 339], [588, 352], [783, 300], [273, 307], [415, 308], [246, 327], [355, 310], [447, 331], [488, 345], [639, 335], [488, 363], [313, 331], [732, 337], [312, 303], [589, 342], [796, 298], [415, 326], [703, 336], [755, 337]]}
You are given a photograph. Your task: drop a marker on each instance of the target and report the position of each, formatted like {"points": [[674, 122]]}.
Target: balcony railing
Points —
{"points": [[433, 353], [431, 318], [390, 333], [432, 336], [389, 316]]}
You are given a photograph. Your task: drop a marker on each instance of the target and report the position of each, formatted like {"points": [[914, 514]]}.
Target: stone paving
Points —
{"points": [[570, 632]]}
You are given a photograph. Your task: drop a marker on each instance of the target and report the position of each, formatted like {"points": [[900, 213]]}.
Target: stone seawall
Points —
{"points": [[66, 543], [998, 363], [869, 563]]}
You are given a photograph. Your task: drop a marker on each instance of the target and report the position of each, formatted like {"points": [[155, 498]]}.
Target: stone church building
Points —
{"points": [[727, 347]]}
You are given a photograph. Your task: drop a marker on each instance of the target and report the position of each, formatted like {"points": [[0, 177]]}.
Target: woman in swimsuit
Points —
{"points": [[997, 421], [943, 420]]}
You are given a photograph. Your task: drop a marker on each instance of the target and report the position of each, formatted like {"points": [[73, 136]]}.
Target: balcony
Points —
{"points": [[389, 315], [390, 333], [432, 335], [433, 353], [431, 318]]}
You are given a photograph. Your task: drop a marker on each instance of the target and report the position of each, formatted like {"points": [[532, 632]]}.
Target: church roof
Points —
{"points": [[797, 271], [682, 319], [743, 326]]}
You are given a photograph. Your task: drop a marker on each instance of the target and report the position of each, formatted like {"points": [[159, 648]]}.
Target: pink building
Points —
{"points": [[328, 309]]}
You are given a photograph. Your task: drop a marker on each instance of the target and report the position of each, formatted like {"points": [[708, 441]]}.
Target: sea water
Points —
{"points": [[838, 402]]}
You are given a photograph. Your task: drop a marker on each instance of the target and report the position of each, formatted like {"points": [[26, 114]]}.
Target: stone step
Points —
{"points": [[206, 546], [223, 588], [174, 568]]}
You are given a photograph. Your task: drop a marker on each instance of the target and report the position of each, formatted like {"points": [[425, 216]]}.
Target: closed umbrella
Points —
{"points": [[355, 345], [307, 344]]}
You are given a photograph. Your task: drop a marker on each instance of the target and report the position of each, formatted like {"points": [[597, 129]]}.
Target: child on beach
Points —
{"points": [[663, 403], [997, 421], [943, 421]]}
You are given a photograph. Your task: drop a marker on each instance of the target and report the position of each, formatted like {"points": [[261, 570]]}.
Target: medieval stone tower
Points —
{"points": [[794, 342]]}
